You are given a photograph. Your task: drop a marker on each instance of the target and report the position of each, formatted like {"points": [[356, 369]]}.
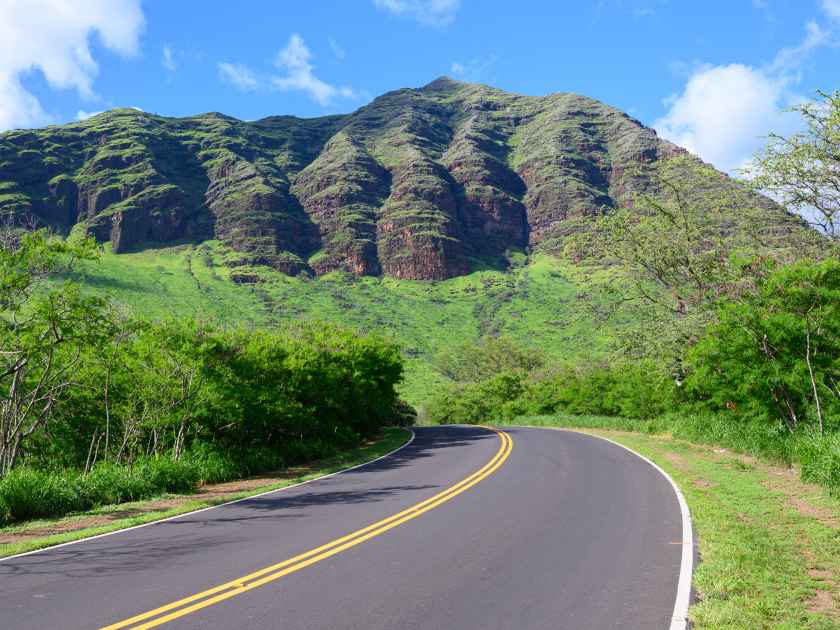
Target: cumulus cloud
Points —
{"points": [[431, 12], [294, 61], [53, 38], [724, 112], [293, 71], [239, 76]]}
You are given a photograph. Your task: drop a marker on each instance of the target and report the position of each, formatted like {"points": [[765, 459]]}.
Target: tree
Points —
{"points": [[803, 170], [44, 328], [475, 361], [694, 239], [777, 351]]}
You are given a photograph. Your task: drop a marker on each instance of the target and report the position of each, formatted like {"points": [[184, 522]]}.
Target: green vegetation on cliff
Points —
{"points": [[543, 304], [418, 184]]}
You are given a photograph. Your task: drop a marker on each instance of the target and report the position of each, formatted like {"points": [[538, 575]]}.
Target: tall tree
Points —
{"points": [[697, 237], [803, 170], [45, 325]]}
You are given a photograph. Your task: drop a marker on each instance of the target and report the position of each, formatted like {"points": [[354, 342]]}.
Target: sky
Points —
{"points": [[713, 76]]}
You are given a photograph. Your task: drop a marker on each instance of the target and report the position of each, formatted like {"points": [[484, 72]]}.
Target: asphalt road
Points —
{"points": [[564, 531]]}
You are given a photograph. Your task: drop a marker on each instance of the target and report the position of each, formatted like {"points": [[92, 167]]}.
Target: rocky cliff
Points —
{"points": [[417, 184]]}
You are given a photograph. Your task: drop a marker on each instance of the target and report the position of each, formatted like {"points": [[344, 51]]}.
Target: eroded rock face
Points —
{"points": [[493, 216], [417, 235], [414, 185], [256, 215], [342, 191]]}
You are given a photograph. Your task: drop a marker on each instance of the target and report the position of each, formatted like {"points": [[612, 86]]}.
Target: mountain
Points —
{"points": [[419, 184], [346, 218]]}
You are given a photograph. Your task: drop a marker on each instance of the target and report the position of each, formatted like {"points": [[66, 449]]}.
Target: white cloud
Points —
{"points": [[831, 8], [168, 59], [788, 60], [432, 12], [338, 51], [83, 115], [239, 76], [294, 59], [474, 70], [724, 112], [53, 36]]}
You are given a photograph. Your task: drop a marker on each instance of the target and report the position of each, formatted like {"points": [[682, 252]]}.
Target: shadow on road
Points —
{"points": [[207, 531]]}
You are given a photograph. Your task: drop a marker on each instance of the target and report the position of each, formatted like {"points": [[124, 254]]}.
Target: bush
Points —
{"points": [[775, 353], [640, 390], [212, 464], [475, 403], [819, 457], [164, 474], [192, 403], [110, 483], [26, 493], [404, 414]]}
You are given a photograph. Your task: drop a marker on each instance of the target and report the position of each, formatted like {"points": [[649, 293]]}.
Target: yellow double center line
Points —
{"points": [[219, 593]]}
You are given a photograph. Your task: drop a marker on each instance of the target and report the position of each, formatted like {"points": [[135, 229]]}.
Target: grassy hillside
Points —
{"points": [[542, 302]]}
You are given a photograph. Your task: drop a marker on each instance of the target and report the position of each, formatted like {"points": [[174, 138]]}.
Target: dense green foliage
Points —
{"points": [[297, 391], [775, 354], [762, 379], [635, 390], [98, 406]]}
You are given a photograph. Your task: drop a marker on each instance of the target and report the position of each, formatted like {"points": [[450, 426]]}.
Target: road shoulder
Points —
{"points": [[769, 543], [34, 535]]}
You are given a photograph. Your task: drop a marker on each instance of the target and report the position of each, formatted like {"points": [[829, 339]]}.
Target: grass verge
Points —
{"points": [[769, 543], [25, 537]]}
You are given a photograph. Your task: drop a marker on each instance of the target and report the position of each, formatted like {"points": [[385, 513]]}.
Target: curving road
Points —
{"points": [[458, 530]]}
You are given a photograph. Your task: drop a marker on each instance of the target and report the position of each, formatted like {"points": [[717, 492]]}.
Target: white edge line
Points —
{"points": [[213, 507], [679, 620]]}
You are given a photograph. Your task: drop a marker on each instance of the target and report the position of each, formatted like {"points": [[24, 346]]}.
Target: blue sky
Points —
{"points": [[713, 76]]}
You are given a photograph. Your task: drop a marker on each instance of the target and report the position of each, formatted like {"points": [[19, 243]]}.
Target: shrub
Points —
{"points": [[110, 483], [26, 493], [819, 457], [164, 474], [212, 464], [639, 390]]}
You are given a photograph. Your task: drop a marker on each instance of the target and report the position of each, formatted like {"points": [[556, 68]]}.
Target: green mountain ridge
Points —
{"points": [[412, 185], [436, 215]]}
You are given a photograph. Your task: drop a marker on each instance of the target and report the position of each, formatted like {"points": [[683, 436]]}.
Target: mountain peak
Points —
{"points": [[442, 83], [416, 185]]}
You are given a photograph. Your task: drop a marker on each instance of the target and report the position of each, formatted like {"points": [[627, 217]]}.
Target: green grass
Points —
{"points": [[762, 560], [391, 439], [543, 304], [769, 544]]}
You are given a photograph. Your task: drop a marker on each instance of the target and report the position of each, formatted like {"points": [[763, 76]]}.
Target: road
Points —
{"points": [[462, 529]]}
